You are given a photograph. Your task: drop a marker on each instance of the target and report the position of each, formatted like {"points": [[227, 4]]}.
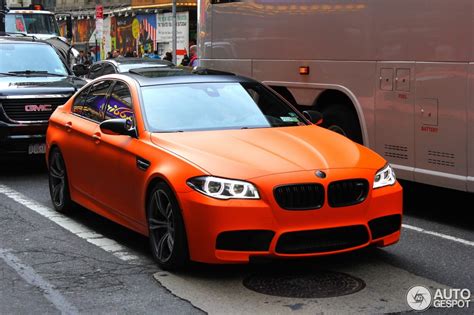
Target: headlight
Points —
{"points": [[384, 177], [222, 188]]}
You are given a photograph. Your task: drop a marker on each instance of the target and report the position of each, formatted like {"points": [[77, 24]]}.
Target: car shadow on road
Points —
{"points": [[22, 167], [441, 205]]}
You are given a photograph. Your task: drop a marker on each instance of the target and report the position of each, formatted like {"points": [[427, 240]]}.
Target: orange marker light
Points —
{"points": [[304, 70]]}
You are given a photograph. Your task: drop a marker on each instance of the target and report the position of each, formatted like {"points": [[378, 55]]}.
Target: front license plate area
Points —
{"points": [[37, 148]]}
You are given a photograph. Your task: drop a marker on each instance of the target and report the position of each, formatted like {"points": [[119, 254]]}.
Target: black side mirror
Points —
{"points": [[118, 127], [313, 116], [80, 70]]}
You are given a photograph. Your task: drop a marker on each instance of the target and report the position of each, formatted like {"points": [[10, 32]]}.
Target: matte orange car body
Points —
{"points": [[117, 190]]}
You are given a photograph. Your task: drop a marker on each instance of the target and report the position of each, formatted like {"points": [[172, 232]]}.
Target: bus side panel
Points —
{"points": [[430, 30], [355, 79], [241, 66], [470, 135], [394, 115], [321, 29], [205, 28], [441, 124]]}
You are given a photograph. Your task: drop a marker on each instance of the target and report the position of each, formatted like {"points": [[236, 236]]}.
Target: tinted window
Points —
{"points": [[30, 57], [95, 71], [79, 101], [95, 101], [108, 69], [120, 103], [33, 23], [211, 106]]}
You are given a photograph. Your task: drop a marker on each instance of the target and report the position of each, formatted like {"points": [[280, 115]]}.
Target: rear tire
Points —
{"points": [[343, 120], [58, 182], [167, 233]]}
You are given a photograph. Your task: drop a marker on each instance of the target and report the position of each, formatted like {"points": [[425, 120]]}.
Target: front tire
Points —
{"points": [[167, 233], [58, 182], [343, 120]]}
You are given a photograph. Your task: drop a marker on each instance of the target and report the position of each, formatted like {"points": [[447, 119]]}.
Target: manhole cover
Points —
{"points": [[311, 284]]}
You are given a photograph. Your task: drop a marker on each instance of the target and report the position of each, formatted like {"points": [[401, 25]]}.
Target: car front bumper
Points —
{"points": [[232, 231], [15, 139]]}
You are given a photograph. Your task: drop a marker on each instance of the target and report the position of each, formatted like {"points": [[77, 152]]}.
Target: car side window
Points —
{"points": [[79, 101], [95, 101], [120, 103], [108, 69], [95, 71]]}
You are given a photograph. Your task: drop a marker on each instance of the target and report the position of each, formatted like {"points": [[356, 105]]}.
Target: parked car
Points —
{"points": [[217, 169], [123, 64], [34, 80]]}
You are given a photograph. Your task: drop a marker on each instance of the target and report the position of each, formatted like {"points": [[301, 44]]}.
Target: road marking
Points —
{"points": [[441, 235], [34, 279], [72, 226]]}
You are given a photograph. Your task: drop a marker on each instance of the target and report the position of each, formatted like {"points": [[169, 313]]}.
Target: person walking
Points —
{"points": [[194, 59]]}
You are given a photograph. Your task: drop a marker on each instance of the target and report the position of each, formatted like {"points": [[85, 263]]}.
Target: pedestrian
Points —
{"points": [[116, 54], [155, 55], [109, 55], [194, 59], [168, 56], [185, 61], [81, 59], [89, 59]]}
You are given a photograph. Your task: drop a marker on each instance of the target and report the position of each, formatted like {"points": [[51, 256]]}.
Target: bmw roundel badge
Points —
{"points": [[320, 174]]}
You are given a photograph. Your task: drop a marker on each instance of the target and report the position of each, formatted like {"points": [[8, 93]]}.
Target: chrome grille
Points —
{"points": [[15, 108]]}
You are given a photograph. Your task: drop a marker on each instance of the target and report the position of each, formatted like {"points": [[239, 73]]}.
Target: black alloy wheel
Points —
{"points": [[166, 228], [58, 182], [343, 120]]}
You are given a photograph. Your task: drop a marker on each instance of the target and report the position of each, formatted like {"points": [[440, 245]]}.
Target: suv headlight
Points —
{"points": [[222, 188], [384, 177]]}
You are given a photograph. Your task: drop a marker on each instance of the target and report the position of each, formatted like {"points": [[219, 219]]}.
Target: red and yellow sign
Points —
{"points": [[162, 3]]}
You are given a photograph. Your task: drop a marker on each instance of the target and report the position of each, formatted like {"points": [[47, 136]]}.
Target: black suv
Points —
{"points": [[34, 80]]}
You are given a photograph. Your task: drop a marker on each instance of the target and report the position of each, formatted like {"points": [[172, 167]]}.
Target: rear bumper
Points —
{"points": [[233, 231], [16, 138]]}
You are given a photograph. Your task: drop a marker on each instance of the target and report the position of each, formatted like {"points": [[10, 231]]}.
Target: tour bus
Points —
{"points": [[394, 75]]}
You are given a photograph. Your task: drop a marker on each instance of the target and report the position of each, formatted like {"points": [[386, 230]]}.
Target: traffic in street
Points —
{"points": [[83, 263]]}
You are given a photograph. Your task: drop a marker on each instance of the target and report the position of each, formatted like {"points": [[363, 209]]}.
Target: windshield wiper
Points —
{"points": [[35, 72], [9, 74]]}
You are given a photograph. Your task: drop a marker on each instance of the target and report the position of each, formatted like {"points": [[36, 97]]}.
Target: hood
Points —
{"points": [[250, 153], [34, 85]]}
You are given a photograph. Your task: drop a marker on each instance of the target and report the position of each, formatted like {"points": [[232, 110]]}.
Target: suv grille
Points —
{"points": [[300, 196], [347, 192], [31, 109]]}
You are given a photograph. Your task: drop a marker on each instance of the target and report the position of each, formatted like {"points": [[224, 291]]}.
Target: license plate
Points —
{"points": [[37, 148]]}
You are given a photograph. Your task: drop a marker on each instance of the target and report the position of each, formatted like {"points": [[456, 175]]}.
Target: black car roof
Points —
{"points": [[201, 76], [131, 60], [9, 39]]}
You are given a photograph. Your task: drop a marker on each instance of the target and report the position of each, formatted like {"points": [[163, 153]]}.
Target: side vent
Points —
{"points": [[396, 151], [441, 158]]}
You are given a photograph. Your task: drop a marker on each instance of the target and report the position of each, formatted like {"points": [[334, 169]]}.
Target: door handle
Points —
{"points": [[68, 126], [96, 137]]}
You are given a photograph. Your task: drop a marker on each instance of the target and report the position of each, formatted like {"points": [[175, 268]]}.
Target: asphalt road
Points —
{"points": [[86, 264]]}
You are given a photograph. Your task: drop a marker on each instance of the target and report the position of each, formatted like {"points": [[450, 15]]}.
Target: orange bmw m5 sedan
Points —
{"points": [[217, 168]]}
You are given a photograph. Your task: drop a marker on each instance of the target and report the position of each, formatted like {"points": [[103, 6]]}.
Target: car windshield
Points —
{"points": [[215, 106], [30, 59], [34, 23]]}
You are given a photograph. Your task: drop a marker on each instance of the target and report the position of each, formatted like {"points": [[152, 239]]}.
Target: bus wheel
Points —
{"points": [[343, 120]]}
